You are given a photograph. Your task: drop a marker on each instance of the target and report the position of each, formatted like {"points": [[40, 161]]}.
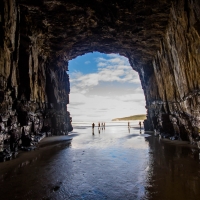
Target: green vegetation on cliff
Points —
{"points": [[134, 117]]}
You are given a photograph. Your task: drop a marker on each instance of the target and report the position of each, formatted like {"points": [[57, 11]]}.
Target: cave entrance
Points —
{"points": [[104, 87]]}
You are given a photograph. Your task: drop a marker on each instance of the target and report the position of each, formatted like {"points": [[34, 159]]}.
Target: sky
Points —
{"points": [[103, 87]]}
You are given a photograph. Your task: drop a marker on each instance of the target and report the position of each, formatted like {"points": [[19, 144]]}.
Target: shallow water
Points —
{"points": [[113, 163]]}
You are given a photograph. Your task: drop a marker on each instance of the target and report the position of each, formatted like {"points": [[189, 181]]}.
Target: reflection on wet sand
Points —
{"points": [[115, 164], [174, 170]]}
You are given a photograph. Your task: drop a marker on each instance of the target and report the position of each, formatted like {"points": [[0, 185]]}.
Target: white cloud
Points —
{"points": [[137, 97], [98, 108], [115, 68], [101, 64], [88, 80]]}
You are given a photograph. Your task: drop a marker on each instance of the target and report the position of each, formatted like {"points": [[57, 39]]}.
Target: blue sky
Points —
{"points": [[86, 63], [103, 87]]}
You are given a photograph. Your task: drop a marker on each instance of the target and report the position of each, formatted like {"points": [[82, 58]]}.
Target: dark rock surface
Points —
{"points": [[33, 92], [174, 102], [160, 38]]}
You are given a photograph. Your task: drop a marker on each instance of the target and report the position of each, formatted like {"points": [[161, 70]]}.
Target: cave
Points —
{"points": [[160, 38]]}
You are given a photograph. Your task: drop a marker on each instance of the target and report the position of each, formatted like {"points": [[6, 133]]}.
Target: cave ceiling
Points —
{"points": [[68, 28]]}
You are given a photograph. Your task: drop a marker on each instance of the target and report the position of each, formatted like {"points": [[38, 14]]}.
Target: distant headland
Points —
{"points": [[134, 117]]}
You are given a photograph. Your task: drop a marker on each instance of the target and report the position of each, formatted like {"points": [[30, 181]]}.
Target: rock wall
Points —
{"points": [[33, 92], [172, 92]]}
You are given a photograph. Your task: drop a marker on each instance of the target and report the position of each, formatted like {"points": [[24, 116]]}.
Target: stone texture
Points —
{"points": [[31, 92], [72, 28], [175, 99], [39, 37]]}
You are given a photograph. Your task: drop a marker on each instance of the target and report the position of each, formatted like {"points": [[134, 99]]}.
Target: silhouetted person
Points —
{"points": [[93, 125], [99, 125], [128, 124], [140, 126]]}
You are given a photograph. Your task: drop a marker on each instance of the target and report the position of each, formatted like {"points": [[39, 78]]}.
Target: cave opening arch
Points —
{"points": [[130, 29]]}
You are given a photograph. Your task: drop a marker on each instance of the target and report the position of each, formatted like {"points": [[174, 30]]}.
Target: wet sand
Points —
{"points": [[112, 163], [179, 143], [24, 158]]}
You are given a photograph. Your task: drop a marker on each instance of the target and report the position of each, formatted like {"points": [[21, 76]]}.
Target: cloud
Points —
{"points": [[114, 55], [110, 69], [137, 97], [105, 108], [101, 64], [114, 61], [95, 115], [88, 80], [87, 62]]}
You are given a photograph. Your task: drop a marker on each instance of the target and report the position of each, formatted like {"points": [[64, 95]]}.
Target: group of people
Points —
{"points": [[100, 125], [103, 125]]}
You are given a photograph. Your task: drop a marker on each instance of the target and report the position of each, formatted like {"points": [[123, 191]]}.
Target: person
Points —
{"points": [[128, 124], [93, 125], [93, 128], [140, 125]]}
